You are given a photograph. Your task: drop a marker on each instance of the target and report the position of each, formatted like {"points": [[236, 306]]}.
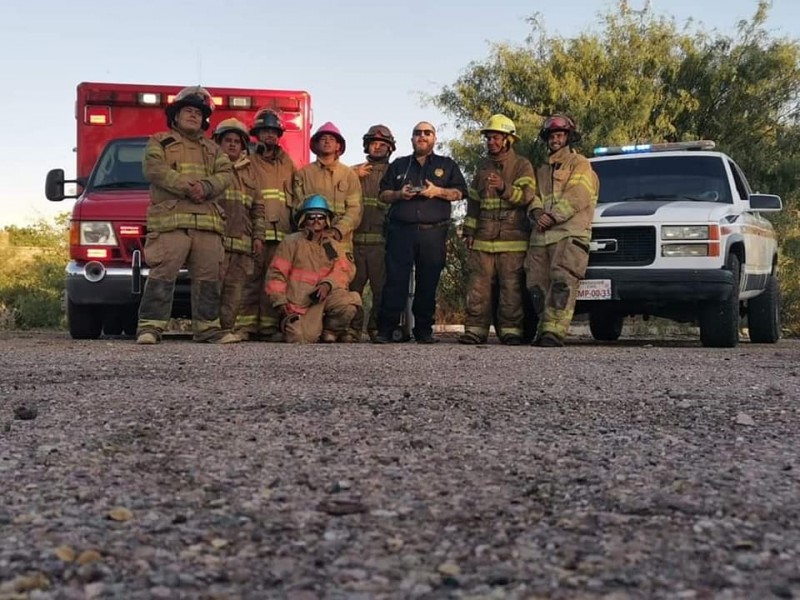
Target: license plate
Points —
{"points": [[594, 289]]}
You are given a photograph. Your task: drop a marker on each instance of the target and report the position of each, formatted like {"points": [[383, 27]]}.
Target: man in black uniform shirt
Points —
{"points": [[419, 190]]}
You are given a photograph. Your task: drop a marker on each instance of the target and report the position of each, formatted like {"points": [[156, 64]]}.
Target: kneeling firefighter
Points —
{"points": [[308, 280]]}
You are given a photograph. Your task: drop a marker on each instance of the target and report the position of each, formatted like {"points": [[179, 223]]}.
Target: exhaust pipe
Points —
{"points": [[94, 271]]}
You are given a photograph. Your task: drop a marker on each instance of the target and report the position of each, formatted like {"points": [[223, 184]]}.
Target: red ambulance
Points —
{"points": [[106, 271]]}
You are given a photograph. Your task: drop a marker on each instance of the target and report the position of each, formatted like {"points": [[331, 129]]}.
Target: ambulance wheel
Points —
{"points": [[85, 321]]}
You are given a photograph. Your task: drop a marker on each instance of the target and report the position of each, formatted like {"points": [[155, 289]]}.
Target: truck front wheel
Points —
{"points": [[719, 321], [764, 314], [605, 326], [85, 321]]}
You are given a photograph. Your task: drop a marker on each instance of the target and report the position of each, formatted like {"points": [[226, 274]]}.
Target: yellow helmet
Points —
{"points": [[234, 125], [501, 124]]}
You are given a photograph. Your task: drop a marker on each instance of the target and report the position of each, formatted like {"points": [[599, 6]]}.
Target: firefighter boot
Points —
{"points": [[155, 310], [549, 340], [328, 337], [147, 338]]}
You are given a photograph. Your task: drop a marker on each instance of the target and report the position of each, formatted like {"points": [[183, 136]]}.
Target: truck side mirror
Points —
{"points": [[765, 202], [54, 185]]}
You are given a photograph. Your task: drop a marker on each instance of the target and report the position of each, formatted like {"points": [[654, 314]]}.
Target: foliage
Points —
{"points": [[32, 274], [641, 77], [452, 292]]}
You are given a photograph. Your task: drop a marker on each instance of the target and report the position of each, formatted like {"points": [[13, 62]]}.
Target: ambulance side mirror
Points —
{"points": [[54, 186]]}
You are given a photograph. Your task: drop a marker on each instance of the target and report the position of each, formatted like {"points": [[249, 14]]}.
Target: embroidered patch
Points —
{"points": [[439, 172]]}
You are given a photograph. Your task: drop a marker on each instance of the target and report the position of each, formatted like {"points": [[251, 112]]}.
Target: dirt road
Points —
{"points": [[639, 470]]}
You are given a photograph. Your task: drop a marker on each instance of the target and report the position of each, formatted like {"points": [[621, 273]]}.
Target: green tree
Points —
{"points": [[642, 77], [32, 274]]}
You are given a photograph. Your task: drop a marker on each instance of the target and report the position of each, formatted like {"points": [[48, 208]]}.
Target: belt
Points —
{"points": [[423, 225]]}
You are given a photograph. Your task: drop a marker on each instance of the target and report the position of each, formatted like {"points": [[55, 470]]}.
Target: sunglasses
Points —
{"points": [[315, 217], [425, 132]]}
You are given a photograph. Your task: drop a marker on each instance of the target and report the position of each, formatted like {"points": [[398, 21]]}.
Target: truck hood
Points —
{"points": [[660, 211], [113, 205]]}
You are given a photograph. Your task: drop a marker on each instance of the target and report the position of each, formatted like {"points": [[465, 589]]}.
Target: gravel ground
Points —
{"points": [[634, 470]]}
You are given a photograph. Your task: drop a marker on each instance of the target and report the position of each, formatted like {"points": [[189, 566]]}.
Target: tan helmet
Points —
{"points": [[196, 96], [379, 133], [235, 125], [501, 124]]}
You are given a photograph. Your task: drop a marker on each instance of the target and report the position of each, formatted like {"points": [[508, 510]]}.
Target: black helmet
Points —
{"points": [[379, 133], [560, 122], [267, 118], [191, 96]]}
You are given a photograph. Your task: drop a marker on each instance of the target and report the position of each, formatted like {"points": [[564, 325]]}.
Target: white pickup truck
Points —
{"points": [[678, 234]]}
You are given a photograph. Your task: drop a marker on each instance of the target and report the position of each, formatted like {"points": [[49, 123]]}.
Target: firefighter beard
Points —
{"points": [[553, 275]]}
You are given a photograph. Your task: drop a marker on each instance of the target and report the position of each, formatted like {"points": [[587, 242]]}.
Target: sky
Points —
{"points": [[362, 62]]}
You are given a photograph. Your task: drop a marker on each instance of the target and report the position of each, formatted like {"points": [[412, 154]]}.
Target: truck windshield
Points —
{"points": [[120, 166], [690, 177]]}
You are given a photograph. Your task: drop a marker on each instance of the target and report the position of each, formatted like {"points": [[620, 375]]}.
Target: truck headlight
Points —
{"points": [[684, 232], [684, 250], [97, 233]]}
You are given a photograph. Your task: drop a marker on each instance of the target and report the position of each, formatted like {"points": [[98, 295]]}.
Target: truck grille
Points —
{"points": [[633, 247]]}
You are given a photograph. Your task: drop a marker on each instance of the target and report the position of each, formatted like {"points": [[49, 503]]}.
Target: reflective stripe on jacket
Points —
{"points": [[499, 223], [172, 162], [300, 265], [373, 219], [244, 210], [274, 178], [567, 189], [340, 186]]}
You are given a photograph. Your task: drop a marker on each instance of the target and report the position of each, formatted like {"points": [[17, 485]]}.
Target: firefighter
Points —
{"points": [[336, 182], [496, 232], [368, 239], [244, 218], [185, 224], [274, 170], [561, 214], [420, 188], [308, 279]]}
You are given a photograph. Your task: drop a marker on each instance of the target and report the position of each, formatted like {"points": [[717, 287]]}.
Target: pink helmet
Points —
{"points": [[330, 129]]}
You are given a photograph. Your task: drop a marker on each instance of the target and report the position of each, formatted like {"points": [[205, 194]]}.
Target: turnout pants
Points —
{"points": [[166, 252], [553, 274], [236, 271], [508, 271], [256, 314], [370, 268], [333, 314]]}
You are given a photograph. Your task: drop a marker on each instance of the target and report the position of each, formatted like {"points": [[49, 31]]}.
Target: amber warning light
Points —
{"points": [[97, 115]]}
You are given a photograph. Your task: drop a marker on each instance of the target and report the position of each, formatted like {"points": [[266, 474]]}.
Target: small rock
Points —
{"points": [[88, 556], [65, 553], [449, 568], [94, 590], [743, 418], [342, 507], [23, 412], [120, 514], [160, 591]]}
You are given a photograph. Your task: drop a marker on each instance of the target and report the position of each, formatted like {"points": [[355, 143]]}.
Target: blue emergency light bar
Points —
{"points": [[663, 147]]}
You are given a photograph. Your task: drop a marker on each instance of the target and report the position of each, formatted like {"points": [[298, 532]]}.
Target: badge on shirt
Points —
{"points": [[439, 172]]}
